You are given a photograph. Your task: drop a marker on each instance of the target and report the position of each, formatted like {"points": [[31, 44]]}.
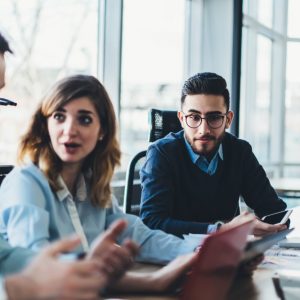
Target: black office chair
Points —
{"points": [[4, 170], [161, 123]]}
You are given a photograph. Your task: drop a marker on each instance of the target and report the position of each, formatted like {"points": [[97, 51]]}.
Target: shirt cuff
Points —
{"points": [[212, 228]]}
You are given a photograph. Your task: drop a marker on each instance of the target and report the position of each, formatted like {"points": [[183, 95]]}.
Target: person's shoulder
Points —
{"points": [[232, 141], [26, 170], [25, 185], [170, 141], [26, 174]]}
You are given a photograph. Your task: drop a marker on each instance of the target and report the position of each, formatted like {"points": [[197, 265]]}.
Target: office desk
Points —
{"points": [[257, 287], [286, 186]]}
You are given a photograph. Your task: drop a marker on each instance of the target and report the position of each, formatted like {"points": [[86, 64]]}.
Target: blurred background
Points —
{"points": [[143, 50]]}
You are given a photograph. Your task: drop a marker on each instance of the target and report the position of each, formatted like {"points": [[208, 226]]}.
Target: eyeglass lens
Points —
{"points": [[213, 121]]}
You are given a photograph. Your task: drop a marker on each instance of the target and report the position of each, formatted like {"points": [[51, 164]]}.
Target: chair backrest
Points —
{"points": [[4, 170], [161, 123]]}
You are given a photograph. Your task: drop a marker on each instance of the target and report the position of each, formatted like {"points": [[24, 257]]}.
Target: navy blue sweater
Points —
{"points": [[180, 198]]}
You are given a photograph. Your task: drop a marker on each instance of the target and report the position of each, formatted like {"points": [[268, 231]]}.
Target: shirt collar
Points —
{"points": [[194, 156], [81, 189]]}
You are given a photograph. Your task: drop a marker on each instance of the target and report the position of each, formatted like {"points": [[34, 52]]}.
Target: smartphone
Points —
{"points": [[280, 217]]}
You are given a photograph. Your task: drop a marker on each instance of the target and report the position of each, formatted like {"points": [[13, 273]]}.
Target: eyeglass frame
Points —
{"points": [[204, 118]]}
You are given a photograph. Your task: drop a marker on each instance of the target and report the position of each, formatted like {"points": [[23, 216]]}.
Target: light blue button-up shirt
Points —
{"points": [[31, 215], [207, 167], [201, 161], [3, 295], [11, 261]]}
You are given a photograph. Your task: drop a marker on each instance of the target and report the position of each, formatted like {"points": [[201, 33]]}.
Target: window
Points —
{"points": [[260, 112], [140, 49], [293, 19], [292, 104], [292, 93], [152, 66], [270, 93], [50, 39]]}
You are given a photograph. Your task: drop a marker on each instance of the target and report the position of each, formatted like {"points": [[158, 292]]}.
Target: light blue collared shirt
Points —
{"points": [[32, 216], [207, 167], [13, 259], [201, 161], [3, 294]]}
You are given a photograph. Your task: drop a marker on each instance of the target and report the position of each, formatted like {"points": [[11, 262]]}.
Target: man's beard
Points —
{"points": [[208, 153]]}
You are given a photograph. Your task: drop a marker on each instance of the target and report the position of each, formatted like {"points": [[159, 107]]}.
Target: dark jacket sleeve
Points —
{"points": [[256, 188], [157, 199]]}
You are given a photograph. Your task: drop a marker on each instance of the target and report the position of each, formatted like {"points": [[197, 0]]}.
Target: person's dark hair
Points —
{"points": [[4, 46], [207, 84]]}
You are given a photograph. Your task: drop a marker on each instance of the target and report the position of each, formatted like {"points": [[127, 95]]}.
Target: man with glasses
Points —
{"points": [[192, 180]]}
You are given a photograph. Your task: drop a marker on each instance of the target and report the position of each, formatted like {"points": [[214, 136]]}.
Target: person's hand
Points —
{"points": [[47, 277], [259, 228], [262, 228], [247, 268], [115, 259], [240, 219], [172, 274]]}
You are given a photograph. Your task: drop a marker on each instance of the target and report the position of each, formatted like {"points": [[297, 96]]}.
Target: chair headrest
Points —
{"points": [[162, 122]]}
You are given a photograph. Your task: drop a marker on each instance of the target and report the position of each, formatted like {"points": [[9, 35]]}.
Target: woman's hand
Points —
{"points": [[158, 281], [115, 259]]}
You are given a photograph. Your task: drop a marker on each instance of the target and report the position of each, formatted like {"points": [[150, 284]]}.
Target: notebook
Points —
{"points": [[220, 255], [217, 261]]}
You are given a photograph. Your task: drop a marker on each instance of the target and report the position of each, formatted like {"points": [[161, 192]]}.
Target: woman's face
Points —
{"points": [[74, 130]]}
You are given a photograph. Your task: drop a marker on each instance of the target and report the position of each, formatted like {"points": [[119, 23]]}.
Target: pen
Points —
{"points": [[4, 101]]}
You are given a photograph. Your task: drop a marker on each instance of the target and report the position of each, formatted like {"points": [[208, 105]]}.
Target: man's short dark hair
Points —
{"points": [[207, 84], [4, 46]]}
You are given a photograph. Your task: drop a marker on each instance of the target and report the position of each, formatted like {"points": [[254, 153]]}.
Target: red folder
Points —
{"points": [[217, 261]]}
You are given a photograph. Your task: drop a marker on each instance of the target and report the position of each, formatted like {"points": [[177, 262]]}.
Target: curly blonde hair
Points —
{"points": [[36, 145]]}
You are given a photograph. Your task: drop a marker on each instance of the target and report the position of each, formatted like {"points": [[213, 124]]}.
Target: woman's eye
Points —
{"points": [[58, 116], [85, 120]]}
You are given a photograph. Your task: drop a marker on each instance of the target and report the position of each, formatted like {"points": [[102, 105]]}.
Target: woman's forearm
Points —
{"points": [[136, 282], [160, 280]]}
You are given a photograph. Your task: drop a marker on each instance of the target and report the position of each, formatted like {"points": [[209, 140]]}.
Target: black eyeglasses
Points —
{"points": [[214, 121]]}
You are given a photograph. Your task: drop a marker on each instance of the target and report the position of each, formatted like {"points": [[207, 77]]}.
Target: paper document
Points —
{"points": [[285, 252], [281, 258], [290, 283], [280, 262]]}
